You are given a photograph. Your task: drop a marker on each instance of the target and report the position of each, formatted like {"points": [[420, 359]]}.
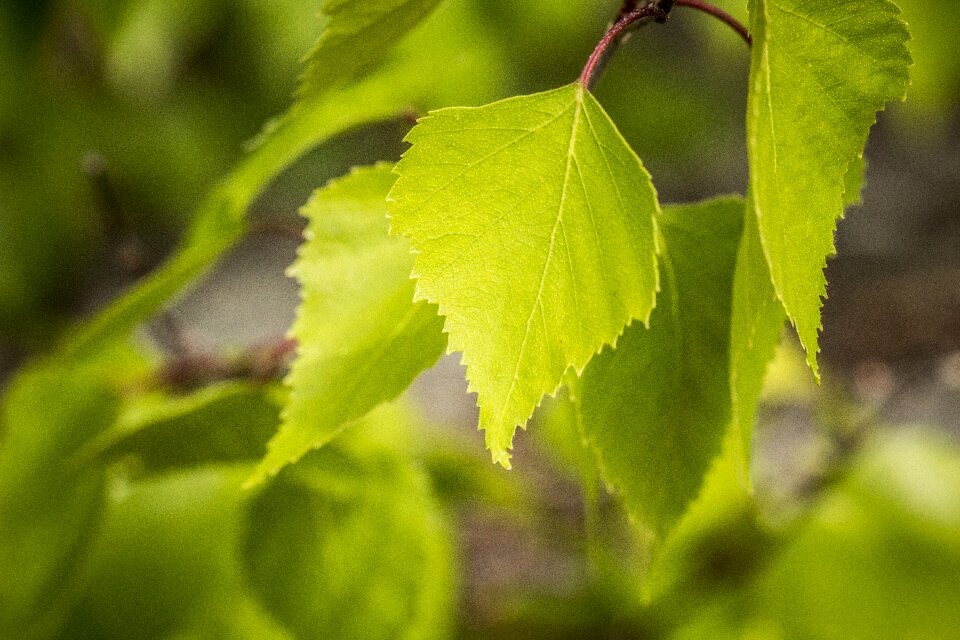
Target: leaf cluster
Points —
{"points": [[525, 235]]}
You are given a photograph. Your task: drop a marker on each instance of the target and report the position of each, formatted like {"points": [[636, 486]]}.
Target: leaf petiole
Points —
{"points": [[659, 11], [720, 14], [606, 46]]}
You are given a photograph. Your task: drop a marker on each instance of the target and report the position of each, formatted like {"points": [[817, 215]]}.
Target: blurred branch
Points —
{"points": [[193, 368], [130, 254]]}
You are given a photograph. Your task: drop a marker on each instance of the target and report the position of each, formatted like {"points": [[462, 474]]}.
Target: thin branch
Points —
{"points": [[720, 14], [130, 253], [289, 229], [664, 5], [612, 37], [629, 6]]}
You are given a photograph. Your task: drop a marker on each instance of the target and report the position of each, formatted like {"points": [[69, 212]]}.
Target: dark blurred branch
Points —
{"points": [[193, 368], [130, 254]]}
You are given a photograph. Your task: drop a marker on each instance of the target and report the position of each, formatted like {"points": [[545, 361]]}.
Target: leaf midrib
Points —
{"points": [[571, 158]]}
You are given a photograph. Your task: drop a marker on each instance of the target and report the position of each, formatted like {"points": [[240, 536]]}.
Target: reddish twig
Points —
{"points": [[658, 11], [720, 14], [610, 39]]}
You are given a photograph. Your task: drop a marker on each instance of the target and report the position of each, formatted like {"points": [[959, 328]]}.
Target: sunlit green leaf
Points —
{"points": [[820, 71], [362, 339], [532, 221]]}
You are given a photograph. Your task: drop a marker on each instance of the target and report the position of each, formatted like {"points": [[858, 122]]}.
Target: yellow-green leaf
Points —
{"points": [[533, 225], [820, 71]]}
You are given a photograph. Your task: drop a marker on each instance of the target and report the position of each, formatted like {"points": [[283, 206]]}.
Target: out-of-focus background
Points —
{"points": [[116, 116]]}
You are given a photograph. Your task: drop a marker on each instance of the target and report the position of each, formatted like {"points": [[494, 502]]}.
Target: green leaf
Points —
{"points": [[533, 224], [49, 505], [223, 422], [168, 562], [357, 35], [656, 408], [878, 555], [715, 542], [821, 69], [362, 339], [756, 324], [350, 543]]}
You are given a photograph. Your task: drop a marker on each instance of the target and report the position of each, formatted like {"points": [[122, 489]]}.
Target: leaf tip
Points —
{"points": [[501, 457]]}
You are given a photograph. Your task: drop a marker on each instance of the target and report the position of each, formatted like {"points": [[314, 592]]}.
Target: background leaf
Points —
{"points": [[189, 582], [879, 553], [656, 407], [50, 506], [350, 542], [220, 221], [223, 422], [362, 339], [358, 34], [532, 221]]}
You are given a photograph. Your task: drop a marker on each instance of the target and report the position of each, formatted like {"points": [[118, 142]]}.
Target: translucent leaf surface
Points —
{"points": [[533, 224], [656, 408], [362, 338], [820, 71], [358, 34]]}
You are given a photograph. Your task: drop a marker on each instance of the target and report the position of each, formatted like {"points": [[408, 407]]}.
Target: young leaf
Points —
{"points": [[821, 69], [362, 339], [656, 408], [357, 35], [533, 224]]}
